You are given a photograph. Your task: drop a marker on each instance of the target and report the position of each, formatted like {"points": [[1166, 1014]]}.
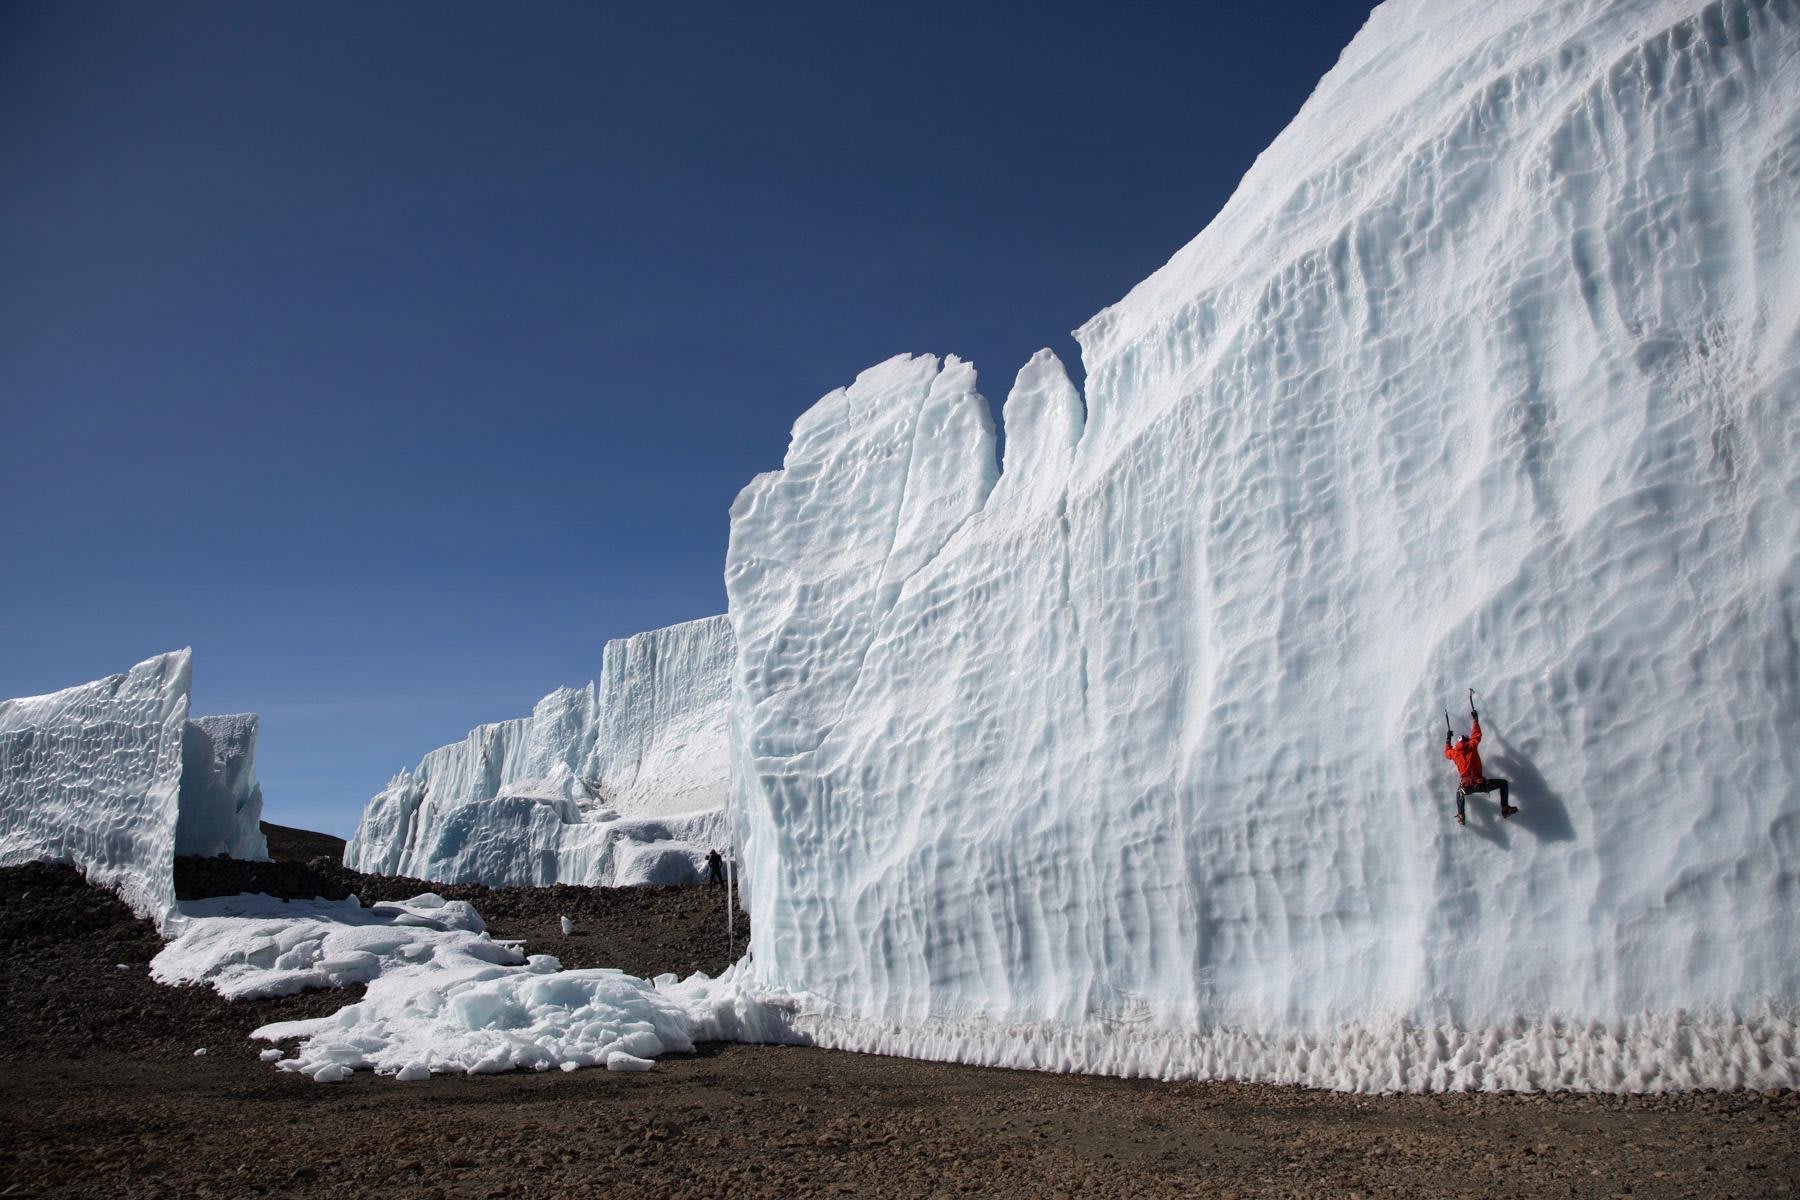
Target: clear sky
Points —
{"points": [[395, 356]]}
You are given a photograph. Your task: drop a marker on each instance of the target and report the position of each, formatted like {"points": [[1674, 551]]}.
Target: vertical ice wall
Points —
{"points": [[1129, 758], [445, 819], [91, 776], [221, 802], [624, 785], [662, 745]]}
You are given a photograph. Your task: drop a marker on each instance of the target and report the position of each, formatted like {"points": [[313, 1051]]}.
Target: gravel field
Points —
{"points": [[101, 1094]]}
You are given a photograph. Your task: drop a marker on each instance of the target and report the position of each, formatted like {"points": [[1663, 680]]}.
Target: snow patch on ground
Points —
{"points": [[254, 946], [482, 1019], [441, 996]]}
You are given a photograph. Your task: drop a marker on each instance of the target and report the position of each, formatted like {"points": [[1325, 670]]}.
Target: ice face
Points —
{"points": [[447, 820], [1129, 758], [663, 744], [221, 802], [96, 776], [581, 789], [91, 776]]}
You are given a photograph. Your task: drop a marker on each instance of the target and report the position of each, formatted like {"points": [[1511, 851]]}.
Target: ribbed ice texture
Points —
{"points": [[1129, 758], [91, 776], [663, 744], [578, 791], [221, 802]]}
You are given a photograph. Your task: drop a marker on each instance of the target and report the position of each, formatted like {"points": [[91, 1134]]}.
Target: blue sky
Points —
{"points": [[396, 356]]}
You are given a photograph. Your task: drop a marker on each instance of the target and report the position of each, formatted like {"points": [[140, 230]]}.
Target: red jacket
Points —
{"points": [[1468, 762]]}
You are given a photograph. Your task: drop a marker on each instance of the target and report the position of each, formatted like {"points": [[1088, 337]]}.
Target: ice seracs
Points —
{"points": [[91, 776], [112, 778], [220, 806], [1127, 758], [623, 784]]}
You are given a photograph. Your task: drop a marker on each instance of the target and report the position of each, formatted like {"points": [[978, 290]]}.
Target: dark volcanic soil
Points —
{"points": [[298, 845], [101, 1095]]}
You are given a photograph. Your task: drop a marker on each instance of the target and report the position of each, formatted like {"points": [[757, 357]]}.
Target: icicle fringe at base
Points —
{"points": [[1643, 1053]]}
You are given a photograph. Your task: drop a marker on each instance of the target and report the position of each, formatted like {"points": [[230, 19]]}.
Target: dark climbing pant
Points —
{"points": [[715, 876], [1485, 786]]}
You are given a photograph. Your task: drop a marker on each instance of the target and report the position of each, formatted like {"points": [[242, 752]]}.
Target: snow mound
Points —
{"points": [[220, 800], [254, 946], [441, 995], [666, 862], [479, 1020], [91, 776], [569, 793], [1127, 758]]}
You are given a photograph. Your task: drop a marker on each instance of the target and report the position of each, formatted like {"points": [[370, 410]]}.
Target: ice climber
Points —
{"points": [[1468, 766], [715, 868]]}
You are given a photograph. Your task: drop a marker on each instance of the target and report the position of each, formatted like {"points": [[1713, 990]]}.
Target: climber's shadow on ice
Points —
{"points": [[1484, 821], [1541, 811]]}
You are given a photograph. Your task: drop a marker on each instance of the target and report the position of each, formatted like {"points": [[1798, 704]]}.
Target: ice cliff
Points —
{"points": [[1127, 758], [220, 808], [617, 785], [112, 778]]}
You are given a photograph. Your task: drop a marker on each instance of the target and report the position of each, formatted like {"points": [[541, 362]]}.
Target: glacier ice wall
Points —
{"points": [[622, 784], [663, 743], [220, 809], [1128, 757], [91, 776]]}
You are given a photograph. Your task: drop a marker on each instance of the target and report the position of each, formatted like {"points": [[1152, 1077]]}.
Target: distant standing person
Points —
{"points": [[715, 868], [1468, 766]]}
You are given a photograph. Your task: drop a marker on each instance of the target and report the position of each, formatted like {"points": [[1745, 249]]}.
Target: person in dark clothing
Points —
{"points": [[715, 868], [1468, 768]]}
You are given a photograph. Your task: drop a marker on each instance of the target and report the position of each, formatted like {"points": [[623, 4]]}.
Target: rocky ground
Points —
{"points": [[101, 1094], [287, 844]]}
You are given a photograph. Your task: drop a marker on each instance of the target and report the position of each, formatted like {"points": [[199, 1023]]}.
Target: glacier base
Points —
{"points": [[1648, 1053]]}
